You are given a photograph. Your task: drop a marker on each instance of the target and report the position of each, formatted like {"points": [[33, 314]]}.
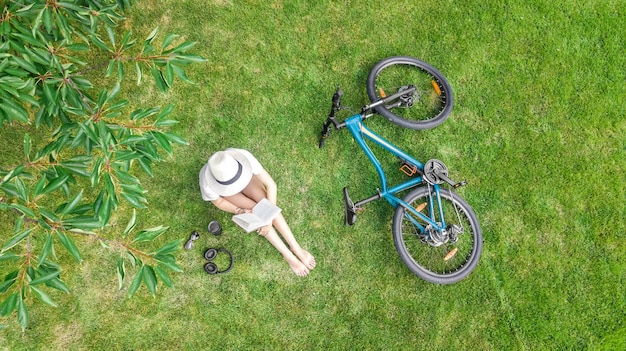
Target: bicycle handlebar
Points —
{"points": [[336, 106], [337, 99]]}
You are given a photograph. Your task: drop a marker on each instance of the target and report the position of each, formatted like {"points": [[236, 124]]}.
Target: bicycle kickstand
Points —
{"points": [[350, 209]]}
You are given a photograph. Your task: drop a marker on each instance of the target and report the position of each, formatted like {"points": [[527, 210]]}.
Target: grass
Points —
{"points": [[537, 130]]}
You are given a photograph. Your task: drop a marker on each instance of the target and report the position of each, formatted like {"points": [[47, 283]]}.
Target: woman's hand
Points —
{"points": [[242, 210], [263, 231]]}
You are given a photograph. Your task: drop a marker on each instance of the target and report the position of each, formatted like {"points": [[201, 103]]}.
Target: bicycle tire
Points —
{"points": [[434, 100], [431, 262]]}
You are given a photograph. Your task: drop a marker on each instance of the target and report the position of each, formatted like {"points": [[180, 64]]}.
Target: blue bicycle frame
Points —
{"points": [[359, 132]]}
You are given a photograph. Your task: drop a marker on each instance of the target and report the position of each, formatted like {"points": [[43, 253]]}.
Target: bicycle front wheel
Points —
{"points": [[437, 257], [427, 108]]}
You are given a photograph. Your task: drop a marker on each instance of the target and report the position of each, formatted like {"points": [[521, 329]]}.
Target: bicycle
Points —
{"points": [[435, 231]]}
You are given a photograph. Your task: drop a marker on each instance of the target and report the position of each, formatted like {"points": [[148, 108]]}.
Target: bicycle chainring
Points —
{"points": [[432, 168]]}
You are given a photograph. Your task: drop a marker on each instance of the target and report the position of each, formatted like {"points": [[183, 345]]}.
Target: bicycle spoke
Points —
{"points": [[429, 100], [424, 248]]}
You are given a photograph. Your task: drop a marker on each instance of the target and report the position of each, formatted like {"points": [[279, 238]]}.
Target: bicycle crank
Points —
{"points": [[436, 172]]}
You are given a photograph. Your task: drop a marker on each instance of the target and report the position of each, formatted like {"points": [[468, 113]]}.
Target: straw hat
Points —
{"points": [[228, 172]]}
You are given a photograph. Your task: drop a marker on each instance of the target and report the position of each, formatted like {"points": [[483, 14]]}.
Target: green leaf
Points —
{"points": [[121, 272], [42, 296], [55, 184], [120, 71], [180, 73], [169, 74], [133, 200], [150, 234], [153, 34], [185, 59], [47, 19], [58, 285], [95, 172], [49, 215], [171, 265], [108, 183], [83, 222], [149, 279], [26, 64], [99, 43], [162, 141], [8, 305], [168, 40], [131, 258], [5, 285], [136, 281], [139, 73], [78, 47], [19, 224], [25, 8], [47, 248], [125, 155], [14, 110], [21, 190], [27, 146], [111, 35], [45, 278], [131, 223], [175, 138], [110, 68], [40, 185], [69, 245], [184, 46], [73, 203], [25, 210], [165, 122], [104, 212], [160, 81], [165, 278], [15, 239], [170, 247], [9, 256], [22, 313]]}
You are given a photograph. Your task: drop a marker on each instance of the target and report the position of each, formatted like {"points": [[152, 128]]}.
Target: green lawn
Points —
{"points": [[538, 130]]}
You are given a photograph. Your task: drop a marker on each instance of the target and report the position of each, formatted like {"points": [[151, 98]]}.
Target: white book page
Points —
{"points": [[262, 214]]}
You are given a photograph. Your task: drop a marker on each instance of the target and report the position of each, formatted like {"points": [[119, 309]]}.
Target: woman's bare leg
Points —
{"points": [[281, 225], [256, 191], [296, 265], [300, 269]]}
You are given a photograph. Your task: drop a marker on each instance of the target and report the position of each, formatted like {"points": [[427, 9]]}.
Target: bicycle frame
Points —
{"points": [[360, 133]]}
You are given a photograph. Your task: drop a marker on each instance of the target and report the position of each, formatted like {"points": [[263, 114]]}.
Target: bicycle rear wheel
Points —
{"points": [[433, 256], [427, 108]]}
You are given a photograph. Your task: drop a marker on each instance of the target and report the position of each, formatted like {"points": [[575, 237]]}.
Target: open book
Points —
{"points": [[262, 214]]}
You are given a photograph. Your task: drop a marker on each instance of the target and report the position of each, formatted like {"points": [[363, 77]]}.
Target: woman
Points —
{"points": [[234, 181]]}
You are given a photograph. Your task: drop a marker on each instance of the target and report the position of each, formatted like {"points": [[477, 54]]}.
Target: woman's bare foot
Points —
{"points": [[305, 257], [297, 267]]}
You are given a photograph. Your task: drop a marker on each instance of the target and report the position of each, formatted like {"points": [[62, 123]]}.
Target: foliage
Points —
{"points": [[69, 188]]}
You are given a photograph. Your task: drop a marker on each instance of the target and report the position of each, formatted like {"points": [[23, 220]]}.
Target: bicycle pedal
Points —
{"points": [[407, 168]]}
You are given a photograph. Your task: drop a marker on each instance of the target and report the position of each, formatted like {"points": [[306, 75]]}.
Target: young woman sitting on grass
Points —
{"points": [[234, 181]]}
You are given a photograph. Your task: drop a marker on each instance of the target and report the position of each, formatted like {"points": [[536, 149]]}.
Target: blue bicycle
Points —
{"points": [[435, 231]]}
